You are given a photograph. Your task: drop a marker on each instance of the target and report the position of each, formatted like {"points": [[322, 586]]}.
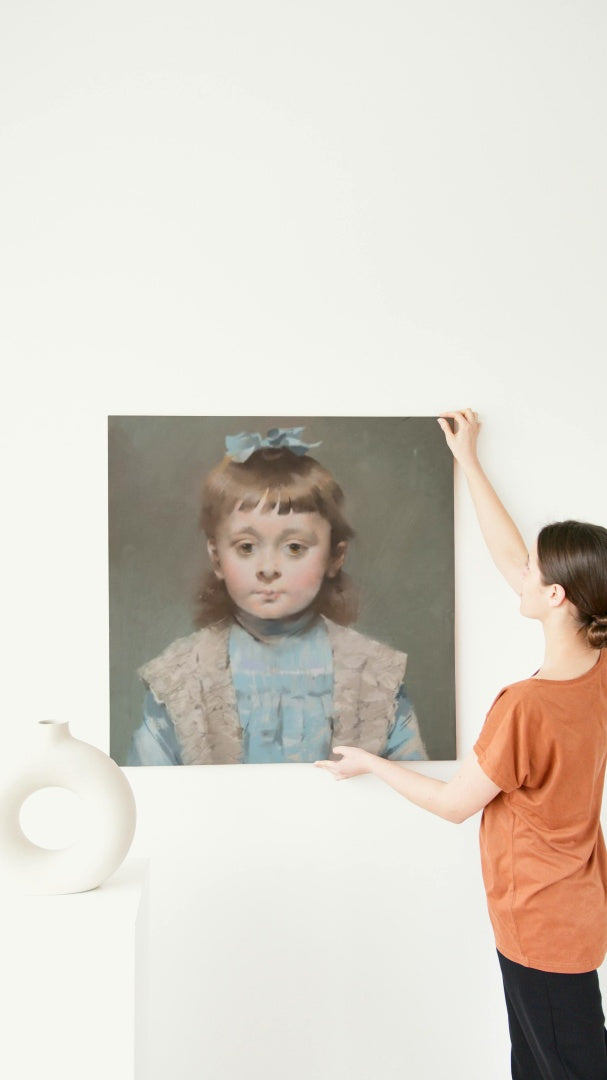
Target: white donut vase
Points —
{"points": [[108, 806]]}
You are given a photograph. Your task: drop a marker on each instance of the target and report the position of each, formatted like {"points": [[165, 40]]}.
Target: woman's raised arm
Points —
{"points": [[506, 545]]}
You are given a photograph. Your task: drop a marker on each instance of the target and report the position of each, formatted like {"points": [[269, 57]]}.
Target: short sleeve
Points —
{"points": [[404, 739], [502, 748], [155, 741]]}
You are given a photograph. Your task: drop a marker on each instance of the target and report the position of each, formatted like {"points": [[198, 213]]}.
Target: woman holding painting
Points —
{"points": [[537, 773]]}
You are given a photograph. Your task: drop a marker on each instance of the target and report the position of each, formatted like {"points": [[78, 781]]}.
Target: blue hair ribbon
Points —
{"points": [[240, 447]]}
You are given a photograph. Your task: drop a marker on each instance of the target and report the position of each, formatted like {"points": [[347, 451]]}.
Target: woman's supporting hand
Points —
{"points": [[353, 762]]}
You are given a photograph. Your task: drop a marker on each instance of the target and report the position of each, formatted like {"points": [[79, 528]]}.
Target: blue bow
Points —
{"points": [[240, 447]]}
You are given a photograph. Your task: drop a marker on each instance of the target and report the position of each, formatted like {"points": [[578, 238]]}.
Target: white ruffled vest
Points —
{"points": [[192, 678]]}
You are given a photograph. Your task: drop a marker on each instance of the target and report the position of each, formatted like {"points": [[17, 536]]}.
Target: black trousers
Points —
{"points": [[557, 1026]]}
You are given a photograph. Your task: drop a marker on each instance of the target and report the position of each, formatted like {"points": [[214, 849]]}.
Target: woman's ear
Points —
{"points": [[214, 557], [336, 559], [557, 595]]}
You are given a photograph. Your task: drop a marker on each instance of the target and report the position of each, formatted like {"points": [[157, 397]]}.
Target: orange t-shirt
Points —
{"points": [[543, 855]]}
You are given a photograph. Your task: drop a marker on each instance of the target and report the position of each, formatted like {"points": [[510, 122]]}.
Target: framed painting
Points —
{"points": [[280, 585]]}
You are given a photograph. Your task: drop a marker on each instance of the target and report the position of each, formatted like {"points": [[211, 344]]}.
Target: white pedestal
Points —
{"points": [[73, 980]]}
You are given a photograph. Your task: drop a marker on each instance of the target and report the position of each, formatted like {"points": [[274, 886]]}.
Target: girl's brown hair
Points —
{"points": [[574, 554], [280, 481]]}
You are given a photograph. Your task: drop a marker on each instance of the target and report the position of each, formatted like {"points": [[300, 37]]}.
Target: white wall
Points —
{"points": [[376, 208]]}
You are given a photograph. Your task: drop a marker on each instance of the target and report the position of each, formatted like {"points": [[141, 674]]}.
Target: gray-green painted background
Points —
{"points": [[397, 475]]}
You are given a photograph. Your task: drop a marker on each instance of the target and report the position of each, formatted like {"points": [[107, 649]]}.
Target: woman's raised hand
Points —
{"points": [[505, 543], [353, 762], [462, 439]]}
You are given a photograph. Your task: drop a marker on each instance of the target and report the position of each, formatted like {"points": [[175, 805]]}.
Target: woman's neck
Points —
{"points": [[567, 654]]}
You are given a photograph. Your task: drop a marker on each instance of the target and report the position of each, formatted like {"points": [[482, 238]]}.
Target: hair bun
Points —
{"points": [[597, 632]]}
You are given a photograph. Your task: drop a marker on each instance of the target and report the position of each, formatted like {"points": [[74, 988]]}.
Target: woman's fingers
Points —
{"points": [[463, 420], [459, 421], [351, 763], [331, 767], [460, 414]]}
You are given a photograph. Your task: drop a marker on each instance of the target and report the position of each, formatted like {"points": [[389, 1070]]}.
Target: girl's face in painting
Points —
{"points": [[274, 564]]}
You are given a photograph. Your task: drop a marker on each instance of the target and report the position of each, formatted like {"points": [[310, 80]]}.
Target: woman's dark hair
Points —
{"points": [[574, 554], [283, 481]]}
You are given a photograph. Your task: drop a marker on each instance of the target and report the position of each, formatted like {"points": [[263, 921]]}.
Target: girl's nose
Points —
{"points": [[268, 572], [268, 575]]}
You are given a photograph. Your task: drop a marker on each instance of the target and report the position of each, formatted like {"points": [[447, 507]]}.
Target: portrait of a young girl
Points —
{"points": [[274, 670]]}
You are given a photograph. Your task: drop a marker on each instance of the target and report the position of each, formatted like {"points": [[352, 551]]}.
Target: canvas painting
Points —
{"points": [[280, 586]]}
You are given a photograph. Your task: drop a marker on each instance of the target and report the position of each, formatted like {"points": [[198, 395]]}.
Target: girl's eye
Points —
{"points": [[245, 547], [295, 548]]}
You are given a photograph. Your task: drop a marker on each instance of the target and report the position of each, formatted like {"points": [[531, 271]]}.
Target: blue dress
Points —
{"points": [[282, 672]]}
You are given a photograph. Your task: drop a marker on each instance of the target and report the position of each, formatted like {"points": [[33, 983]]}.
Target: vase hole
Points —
{"points": [[52, 818]]}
